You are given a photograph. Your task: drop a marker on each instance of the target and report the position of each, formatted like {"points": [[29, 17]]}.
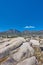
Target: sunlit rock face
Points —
{"points": [[9, 61], [24, 51], [34, 42], [29, 61], [11, 45], [20, 51]]}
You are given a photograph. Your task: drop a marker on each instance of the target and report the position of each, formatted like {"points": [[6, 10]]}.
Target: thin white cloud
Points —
{"points": [[29, 27]]}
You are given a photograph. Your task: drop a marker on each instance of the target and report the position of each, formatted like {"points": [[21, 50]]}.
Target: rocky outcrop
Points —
{"points": [[9, 61], [34, 42], [29, 61], [6, 50], [19, 51], [24, 51]]}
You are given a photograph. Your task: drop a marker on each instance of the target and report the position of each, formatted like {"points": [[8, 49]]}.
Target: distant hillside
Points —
{"points": [[32, 33], [15, 33], [10, 33], [26, 32]]}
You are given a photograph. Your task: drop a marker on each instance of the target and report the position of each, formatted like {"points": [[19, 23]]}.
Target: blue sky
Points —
{"points": [[21, 14]]}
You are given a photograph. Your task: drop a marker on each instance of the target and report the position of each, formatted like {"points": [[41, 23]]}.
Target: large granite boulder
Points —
{"points": [[25, 51], [6, 50]]}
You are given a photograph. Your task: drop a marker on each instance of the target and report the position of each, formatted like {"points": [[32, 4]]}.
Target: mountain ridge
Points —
{"points": [[15, 32]]}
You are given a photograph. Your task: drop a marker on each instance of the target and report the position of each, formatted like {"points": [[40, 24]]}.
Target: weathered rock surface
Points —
{"points": [[29, 61], [9, 61], [19, 51], [6, 50], [24, 51], [34, 42]]}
